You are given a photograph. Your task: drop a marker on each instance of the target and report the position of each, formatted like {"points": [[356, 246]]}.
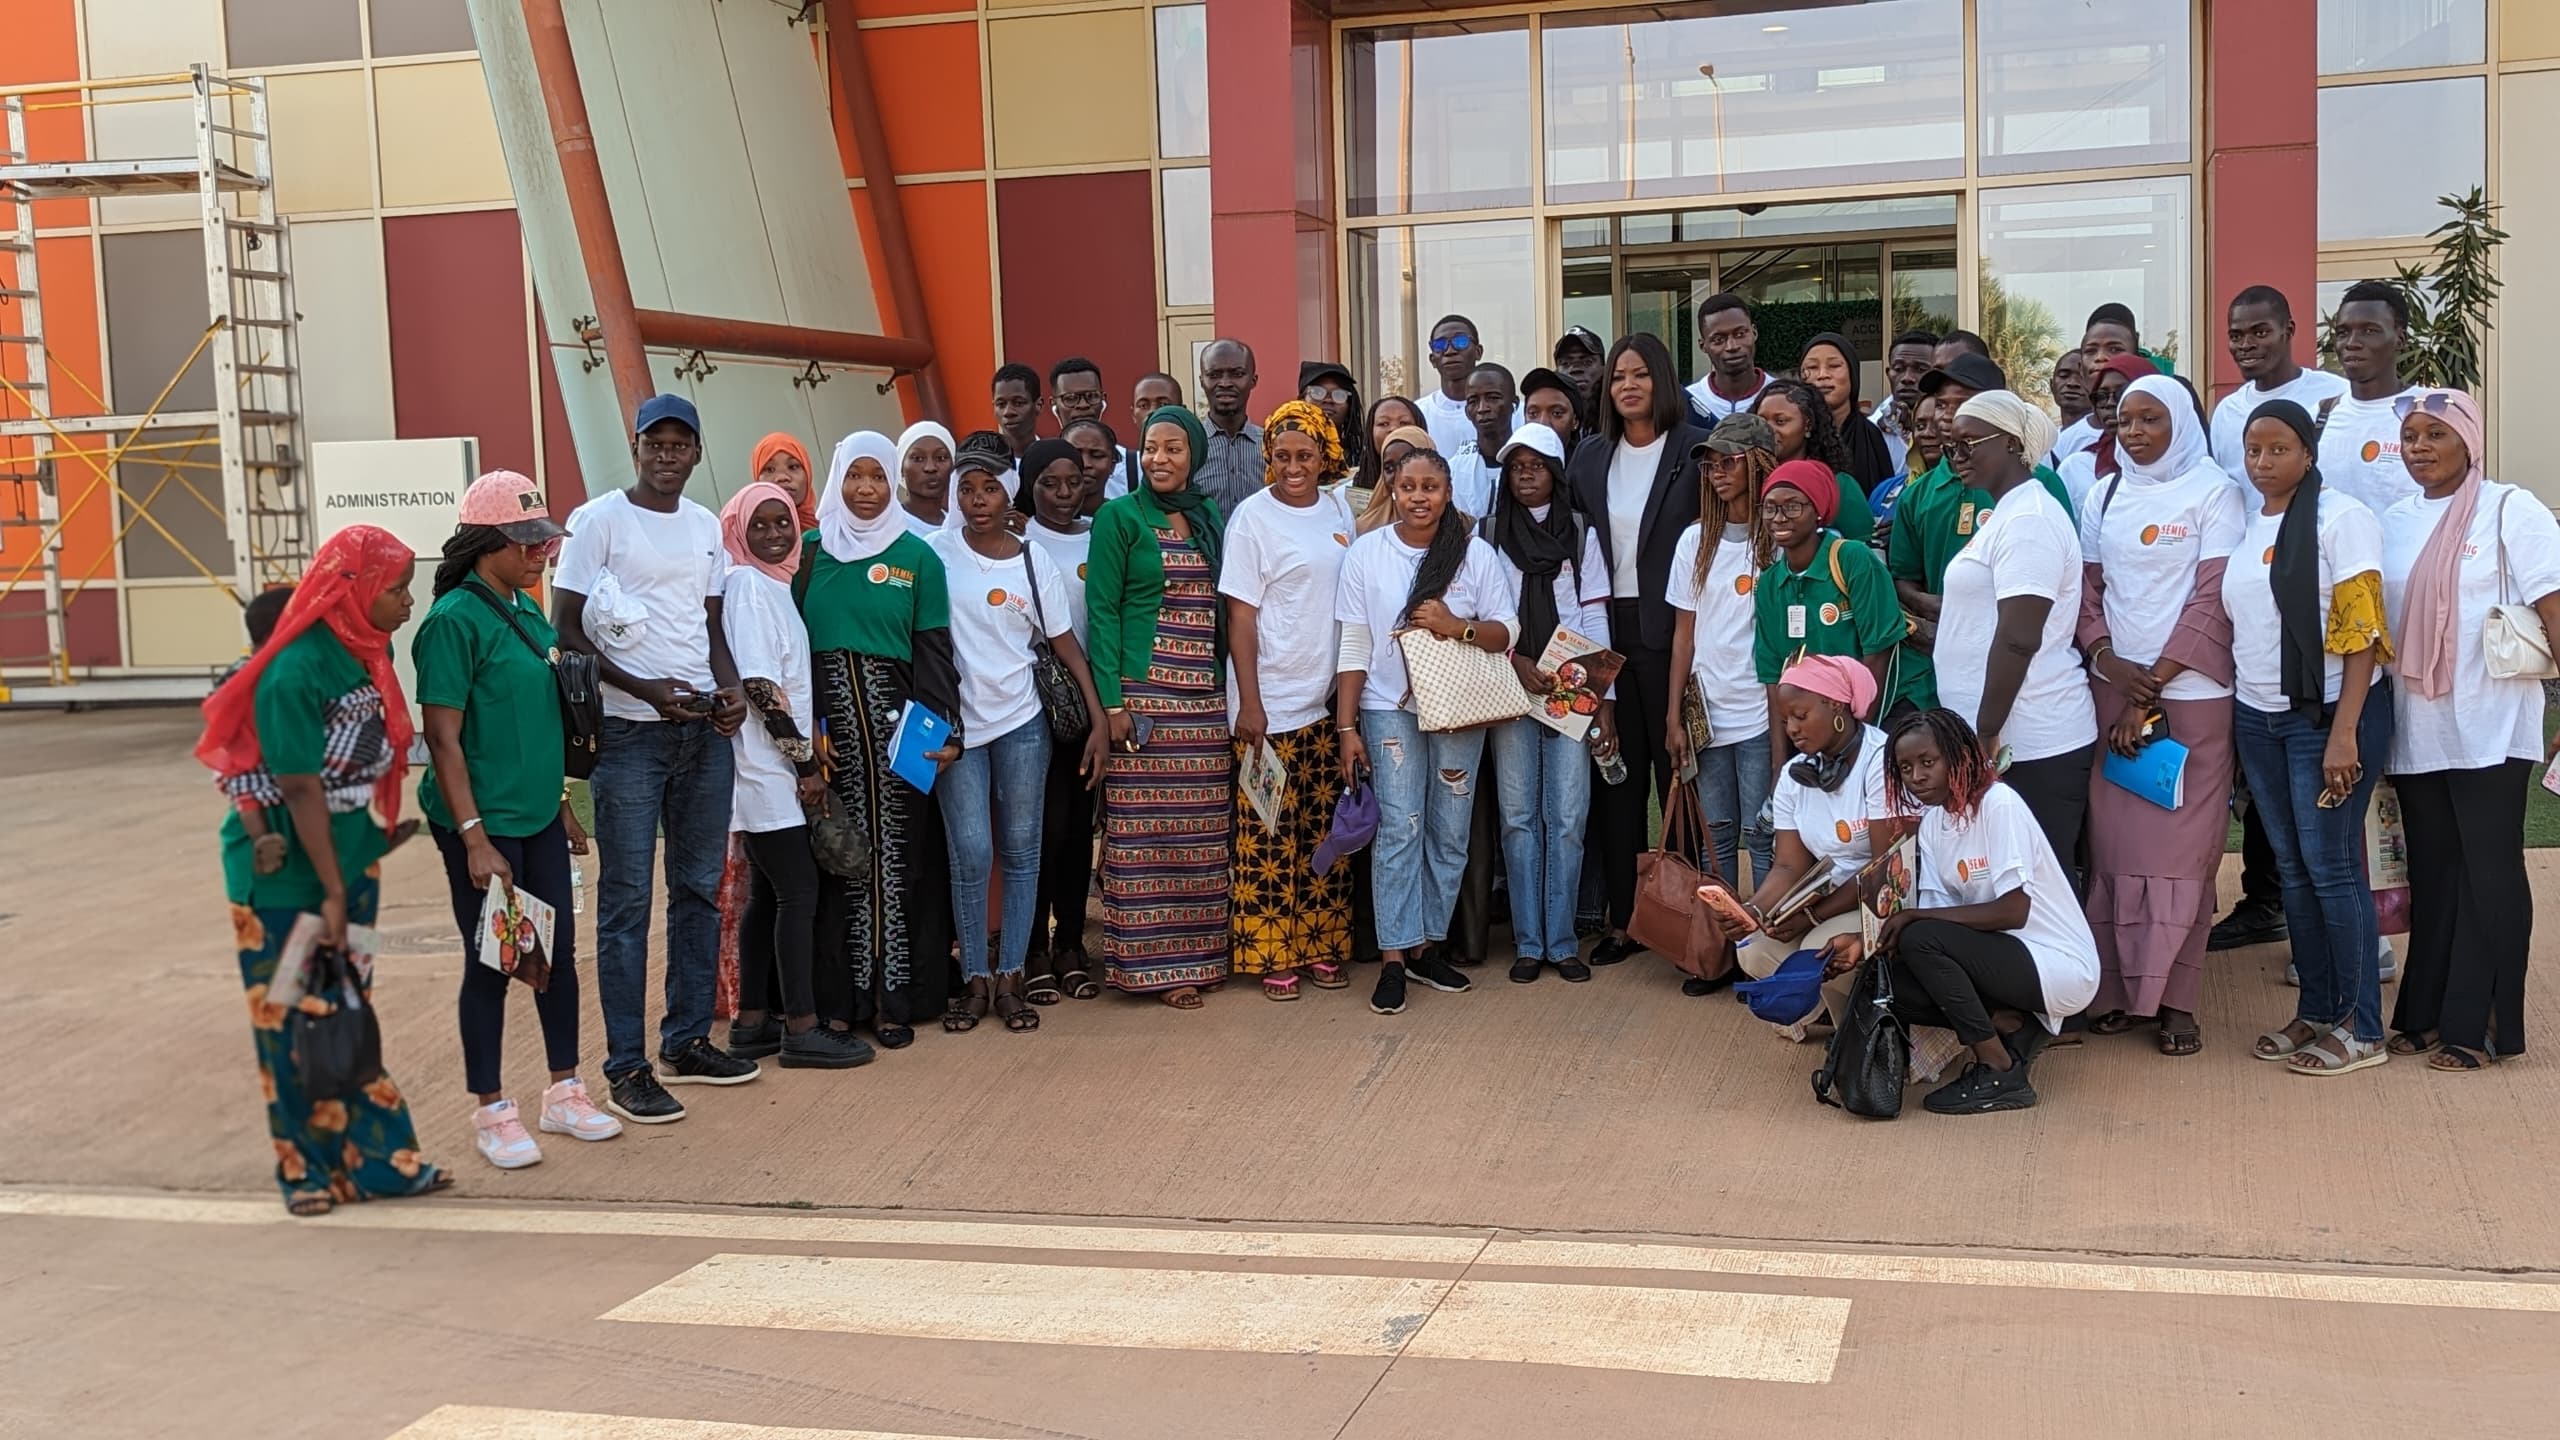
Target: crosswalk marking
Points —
{"points": [[1676, 1332], [486, 1422]]}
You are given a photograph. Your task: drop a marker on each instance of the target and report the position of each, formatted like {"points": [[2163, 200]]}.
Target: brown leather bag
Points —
{"points": [[1669, 918]]}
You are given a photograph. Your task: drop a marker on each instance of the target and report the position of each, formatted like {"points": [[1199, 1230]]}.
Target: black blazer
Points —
{"points": [[1670, 507]]}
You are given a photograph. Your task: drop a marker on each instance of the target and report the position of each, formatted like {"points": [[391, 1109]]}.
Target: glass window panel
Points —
{"points": [[2077, 84], [2053, 253], [1924, 291], [2387, 152], [1588, 300], [1186, 237], [1688, 100], [1406, 277], [1585, 234], [2365, 35], [1646, 229], [1439, 117], [1824, 217], [1182, 81]]}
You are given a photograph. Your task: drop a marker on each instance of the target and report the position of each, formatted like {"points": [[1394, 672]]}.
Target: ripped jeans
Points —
{"points": [[1426, 788]]}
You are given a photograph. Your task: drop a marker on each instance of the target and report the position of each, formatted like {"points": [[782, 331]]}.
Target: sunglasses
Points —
{"points": [[1324, 394], [1962, 450], [2433, 402], [1450, 344], [547, 549]]}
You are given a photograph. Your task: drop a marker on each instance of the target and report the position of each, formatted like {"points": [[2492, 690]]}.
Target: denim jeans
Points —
{"points": [[1426, 786], [991, 815], [653, 778], [1543, 781], [2328, 905], [1733, 788]]}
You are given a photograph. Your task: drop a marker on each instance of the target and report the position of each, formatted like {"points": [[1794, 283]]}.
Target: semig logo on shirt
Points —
{"points": [[2163, 534], [886, 574], [1742, 584]]}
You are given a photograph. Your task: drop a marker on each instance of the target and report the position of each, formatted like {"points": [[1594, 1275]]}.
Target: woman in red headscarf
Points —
{"points": [[315, 732]]}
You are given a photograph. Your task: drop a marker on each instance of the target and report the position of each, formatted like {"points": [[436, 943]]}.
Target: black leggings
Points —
{"points": [[1952, 975], [2470, 906], [1622, 814], [778, 936], [2056, 790], [1066, 854], [541, 866]]}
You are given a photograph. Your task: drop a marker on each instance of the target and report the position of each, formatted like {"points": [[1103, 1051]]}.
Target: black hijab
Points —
{"points": [[1870, 459], [1540, 548], [2295, 576]]}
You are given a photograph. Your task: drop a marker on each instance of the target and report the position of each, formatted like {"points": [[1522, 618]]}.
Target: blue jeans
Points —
{"points": [[990, 813], [2328, 906], [1426, 787], [1733, 788], [652, 778], [1543, 780]]}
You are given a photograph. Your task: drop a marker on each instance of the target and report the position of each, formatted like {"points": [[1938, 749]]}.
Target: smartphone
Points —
{"points": [[1142, 728]]}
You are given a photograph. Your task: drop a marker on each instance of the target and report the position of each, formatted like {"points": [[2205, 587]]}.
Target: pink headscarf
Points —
{"points": [[733, 528], [2427, 624], [1834, 677]]}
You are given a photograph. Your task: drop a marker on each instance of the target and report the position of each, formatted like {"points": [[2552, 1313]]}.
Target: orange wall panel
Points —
{"points": [[67, 274], [40, 41], [948, 223], [887, 9], [927, 79]]}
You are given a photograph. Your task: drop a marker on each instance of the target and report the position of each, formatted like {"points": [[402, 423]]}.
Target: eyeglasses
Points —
{"points": [[2433, 402], [1451, 344], [1079, 399], [547, 549], [1719, 461], [1788, 509], [1960, 450], [1324, 394]]}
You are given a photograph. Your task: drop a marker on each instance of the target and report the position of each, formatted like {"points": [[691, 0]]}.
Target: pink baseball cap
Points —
{"points": [[513, 504]]}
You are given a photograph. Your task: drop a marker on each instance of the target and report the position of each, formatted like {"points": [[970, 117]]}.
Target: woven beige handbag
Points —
{"points": [[1457, 686]]}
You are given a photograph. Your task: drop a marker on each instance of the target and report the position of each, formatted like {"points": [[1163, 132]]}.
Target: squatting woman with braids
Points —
{"points": [[1805, 430], [1424, 572]]}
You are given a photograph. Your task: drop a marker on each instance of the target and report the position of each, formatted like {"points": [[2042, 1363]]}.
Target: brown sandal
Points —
{"points": [[2182, 1041], [1186, 997], [2413, 1042]]}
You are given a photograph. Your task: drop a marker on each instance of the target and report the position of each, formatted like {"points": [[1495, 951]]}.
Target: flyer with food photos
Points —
{"points": [[1583, 670]]}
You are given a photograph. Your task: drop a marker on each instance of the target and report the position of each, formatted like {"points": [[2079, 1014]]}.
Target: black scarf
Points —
{"points": [[1541, 549], [1870, 459], [1824, 771], [2295, 576]]}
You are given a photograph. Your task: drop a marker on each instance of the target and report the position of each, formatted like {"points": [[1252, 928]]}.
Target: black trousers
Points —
{"points": [[1623, 813], [2056, 790], [2470, 906], [778, 936], [1953, 975], [2258, 879], [1066, 855], [541, 866]]}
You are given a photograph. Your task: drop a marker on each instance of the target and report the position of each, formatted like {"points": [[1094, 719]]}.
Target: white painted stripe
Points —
{"points": [[1723, 1335], [480, 1422]]}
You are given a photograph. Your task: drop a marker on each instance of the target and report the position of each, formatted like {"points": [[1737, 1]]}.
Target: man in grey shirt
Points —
{"points": [[1233, 467]]}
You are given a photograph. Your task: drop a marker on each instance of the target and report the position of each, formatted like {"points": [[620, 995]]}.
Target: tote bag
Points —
{"points": [[1457, 686], [1669, 919]]}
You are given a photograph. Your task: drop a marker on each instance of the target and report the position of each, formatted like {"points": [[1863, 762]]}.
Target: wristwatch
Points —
{"points": [[1468, 634]]}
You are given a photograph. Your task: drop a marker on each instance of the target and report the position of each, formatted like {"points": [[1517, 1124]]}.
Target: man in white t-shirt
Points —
{"points": [[1457, 348], [1076, 393], [1731, 342], [1492, 405], [2261, 340], [639, 584], [2360, 434]]}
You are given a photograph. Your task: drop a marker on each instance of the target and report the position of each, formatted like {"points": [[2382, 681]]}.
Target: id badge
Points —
{"points": [[1795, 622], [1964, 519]]}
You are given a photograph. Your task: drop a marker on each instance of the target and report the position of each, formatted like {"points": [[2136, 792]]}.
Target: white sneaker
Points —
{"points": [[500, 1134], [566, 1110], [2390, 961]]}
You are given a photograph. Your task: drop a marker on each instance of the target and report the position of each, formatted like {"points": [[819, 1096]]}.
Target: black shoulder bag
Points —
{"points": [[580, 683], [1870, 1052], [1061, 698], [337, 1052]]}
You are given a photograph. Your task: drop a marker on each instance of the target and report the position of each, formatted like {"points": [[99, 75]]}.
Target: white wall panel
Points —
{"points": [[808, 226], [150, 37], [149, 129], [346, 341]]}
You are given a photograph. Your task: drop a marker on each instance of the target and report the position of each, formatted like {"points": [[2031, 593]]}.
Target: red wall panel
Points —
{"points": [[1078, 262], [459, 364]]}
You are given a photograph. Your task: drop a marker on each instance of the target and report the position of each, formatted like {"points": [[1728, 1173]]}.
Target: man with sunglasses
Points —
{"points": [[1457, 348]]}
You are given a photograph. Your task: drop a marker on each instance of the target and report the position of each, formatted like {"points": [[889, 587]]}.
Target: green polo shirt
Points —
{"points": [[875, 605], [1806, 613], [1935, 518], [469, 659], [295, 693], [1857, 518]]}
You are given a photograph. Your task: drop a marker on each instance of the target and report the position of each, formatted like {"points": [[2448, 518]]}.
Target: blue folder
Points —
{"points": [[2158, 773], [920, 732]]}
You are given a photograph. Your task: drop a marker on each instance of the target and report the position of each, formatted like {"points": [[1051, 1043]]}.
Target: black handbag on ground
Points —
{"points": [[1870, 1052], [339, 1053], [581, 685], [1061, 698]]}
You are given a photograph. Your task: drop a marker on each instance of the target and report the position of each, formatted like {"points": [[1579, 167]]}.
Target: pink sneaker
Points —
{"points": [[499, 1133], [566, 1110]]}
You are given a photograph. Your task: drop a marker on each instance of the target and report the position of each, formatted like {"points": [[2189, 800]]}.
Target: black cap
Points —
{"points": [[1583, 336], [1973, 372], [1543, 378], [1311, 371]]}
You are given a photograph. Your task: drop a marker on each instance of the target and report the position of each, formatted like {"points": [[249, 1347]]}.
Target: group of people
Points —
{"points": [[1947, 613]]}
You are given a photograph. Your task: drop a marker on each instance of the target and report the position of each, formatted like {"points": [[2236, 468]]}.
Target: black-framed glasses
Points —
{"points": [[1788, 509], [2433, 402], [1451, 344], [1080, 399]]}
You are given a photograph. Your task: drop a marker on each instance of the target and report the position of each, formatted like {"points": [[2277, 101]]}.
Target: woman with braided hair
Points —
{"points": [[1712, 574], [1802, 422]]}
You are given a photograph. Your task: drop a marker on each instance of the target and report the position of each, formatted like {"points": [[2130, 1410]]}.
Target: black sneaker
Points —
{"points": [[2027, 1041], [1434, 970], [2251, 922], [1524, 971], [1388, 998], [1981, 1090], [754, 1042], [637, 1096], [1611, 950], [699, 1062], [819, 1048]]}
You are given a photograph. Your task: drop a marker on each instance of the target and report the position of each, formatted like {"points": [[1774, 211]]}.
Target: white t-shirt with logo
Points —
{"points": [[1472, 476], [1737, 703], [769, 642], [664, 566], [2023, 547], [1998, 849], [1707, 402], [2231, 417], [1833, 824], [1377, 576], [2148, 540], [1286, 561], [2480, 722], [991, 630], [2360, 452], [2350, 545], [1631, 472], [1446, 419], [1069, 551]]}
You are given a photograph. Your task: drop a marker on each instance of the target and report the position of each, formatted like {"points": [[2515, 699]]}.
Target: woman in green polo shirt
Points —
{"points": [[1824, 595], [1802, 421], [495, 798], [879, 622]]}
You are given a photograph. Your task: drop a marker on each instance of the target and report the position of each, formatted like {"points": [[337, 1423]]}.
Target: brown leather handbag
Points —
{"points": [[1669, 918]]}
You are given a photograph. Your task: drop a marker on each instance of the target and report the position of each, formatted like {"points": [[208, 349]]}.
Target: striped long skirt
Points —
{"points": [[1168, 809]]}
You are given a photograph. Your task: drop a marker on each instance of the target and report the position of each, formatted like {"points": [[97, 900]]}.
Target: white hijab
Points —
{"points": [[2187, 449], [843, 535], [907, 438]]}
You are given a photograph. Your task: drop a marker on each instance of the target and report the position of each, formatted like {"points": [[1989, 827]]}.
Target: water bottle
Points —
{"points": [[577, 887], [1613, 768]]}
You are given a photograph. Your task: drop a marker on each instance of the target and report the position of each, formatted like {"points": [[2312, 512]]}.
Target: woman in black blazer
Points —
{"points": [[1638, 482]]}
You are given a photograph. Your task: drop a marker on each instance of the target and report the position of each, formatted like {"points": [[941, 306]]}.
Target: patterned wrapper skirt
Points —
{"points": [[349, 1150], [1286, 915], [878, 938], [1168, 809]]}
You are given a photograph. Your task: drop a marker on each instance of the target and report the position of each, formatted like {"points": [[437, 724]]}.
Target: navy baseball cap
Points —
{"points": [[667, 407]]}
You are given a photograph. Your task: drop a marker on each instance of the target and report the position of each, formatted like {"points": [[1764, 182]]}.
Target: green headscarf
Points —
{"points": [[1190, 501]]}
